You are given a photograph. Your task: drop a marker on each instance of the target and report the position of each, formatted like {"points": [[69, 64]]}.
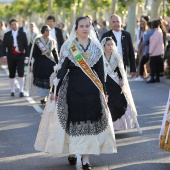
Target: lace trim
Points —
{"points": [[113, 61], [49, 45], [81, 128], [93, 50], [45, 83], [37, 91]]}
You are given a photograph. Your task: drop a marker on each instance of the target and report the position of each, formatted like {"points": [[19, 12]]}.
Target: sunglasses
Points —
{"points": [[47, 30]]}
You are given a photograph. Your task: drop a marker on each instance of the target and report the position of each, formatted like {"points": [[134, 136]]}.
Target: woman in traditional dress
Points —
{"points": [[164, 137], [2, 32], [120, 99], [45, 58], [81, 122], [32, 32]]}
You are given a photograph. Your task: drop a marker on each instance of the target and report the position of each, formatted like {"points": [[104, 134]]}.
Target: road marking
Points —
{"points": [[29, 99]]}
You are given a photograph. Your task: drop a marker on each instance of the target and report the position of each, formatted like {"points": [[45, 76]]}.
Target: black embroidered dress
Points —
{"points": [[81, 122], [43, 68], [120, 99]]}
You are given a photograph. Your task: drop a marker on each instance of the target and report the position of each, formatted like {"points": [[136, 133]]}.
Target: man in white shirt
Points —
{"points": [[55, 33], [123, 41], [14, 50], [24, 26]]}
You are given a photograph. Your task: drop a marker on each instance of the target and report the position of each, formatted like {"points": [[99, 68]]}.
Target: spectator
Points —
{"points": [[55, 32], [156, 49], [103, 28], [24, 26], [123, 42], [145, 57], [65, 33]]}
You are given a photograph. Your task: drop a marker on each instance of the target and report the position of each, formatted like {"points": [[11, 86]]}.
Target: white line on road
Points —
{"points": [[29, 99]]}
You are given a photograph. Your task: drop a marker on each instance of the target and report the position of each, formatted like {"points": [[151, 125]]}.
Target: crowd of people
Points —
{"points": [[152, 39], [89, 88]]}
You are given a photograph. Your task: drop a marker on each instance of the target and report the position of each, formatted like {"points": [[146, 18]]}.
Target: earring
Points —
{"points": [[76, 35]]}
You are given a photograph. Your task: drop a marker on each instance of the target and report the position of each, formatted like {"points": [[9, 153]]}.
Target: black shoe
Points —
{"points": [[86, 167], [72, 160], [42, 101], [151, 81], [21, 94], [12, 94], [157, 80]]}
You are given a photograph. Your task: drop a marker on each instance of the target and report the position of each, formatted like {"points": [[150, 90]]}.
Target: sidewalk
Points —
{"points": [[165, 80], [162, 79]]}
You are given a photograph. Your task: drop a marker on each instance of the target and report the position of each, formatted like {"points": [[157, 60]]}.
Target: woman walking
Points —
{"points": [[45, 57], [120, 100], [81, 122]]}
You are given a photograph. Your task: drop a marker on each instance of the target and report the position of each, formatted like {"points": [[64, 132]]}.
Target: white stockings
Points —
{"points": [[12, 84], [85, 159], [21, 83]]}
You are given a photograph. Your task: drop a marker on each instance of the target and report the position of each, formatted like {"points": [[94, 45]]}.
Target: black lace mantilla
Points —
{"points": [[79, 128], [42, 83]]}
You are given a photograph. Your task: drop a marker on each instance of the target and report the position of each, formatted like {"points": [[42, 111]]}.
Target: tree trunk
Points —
{"points": [[83, 7], [155, 9], [131, 22], [73, 16], [113, 7], [64, 16], [50, 5]]}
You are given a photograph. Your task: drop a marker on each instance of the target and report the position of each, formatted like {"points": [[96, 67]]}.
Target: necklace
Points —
{"points": [[84, 44], [45, 40], [86, 55], [108, 58]]}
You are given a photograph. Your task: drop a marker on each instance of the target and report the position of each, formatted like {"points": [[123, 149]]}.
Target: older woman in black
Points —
{"points": [[45, 57]]}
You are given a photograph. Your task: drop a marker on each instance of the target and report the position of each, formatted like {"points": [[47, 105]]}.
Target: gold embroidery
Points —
{"points": [[73, 48], [86, 55]]}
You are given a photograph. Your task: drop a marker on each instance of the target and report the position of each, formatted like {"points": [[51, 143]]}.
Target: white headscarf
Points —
{"points": [[103, 42], [35, 32], [92, 36]]}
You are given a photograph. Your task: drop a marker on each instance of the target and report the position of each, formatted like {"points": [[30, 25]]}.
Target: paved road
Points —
{"points": [[19, 123]]}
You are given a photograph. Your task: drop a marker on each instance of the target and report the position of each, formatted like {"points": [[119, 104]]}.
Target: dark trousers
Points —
{"points": [[155, 66], [162, 65], [144, 60], [16, 63]]}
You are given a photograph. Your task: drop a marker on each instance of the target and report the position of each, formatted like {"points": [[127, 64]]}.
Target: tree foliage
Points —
{"points": [[25, 8], [99, 4]]}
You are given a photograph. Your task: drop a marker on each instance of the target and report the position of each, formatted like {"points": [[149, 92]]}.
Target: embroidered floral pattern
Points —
{"points": [[79, 128], [42, 83], [93, 50]]}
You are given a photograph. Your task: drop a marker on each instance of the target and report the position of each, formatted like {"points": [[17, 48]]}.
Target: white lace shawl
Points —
{"points": [[49, 45], [116, 60], [93, 50]]}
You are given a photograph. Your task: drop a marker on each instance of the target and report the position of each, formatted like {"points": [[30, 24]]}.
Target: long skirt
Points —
{"points": [[80, 122], [121, 112], [42, 70]]}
